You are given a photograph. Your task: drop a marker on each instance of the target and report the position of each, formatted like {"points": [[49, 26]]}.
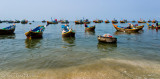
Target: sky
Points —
{"points": [[39, 10]]}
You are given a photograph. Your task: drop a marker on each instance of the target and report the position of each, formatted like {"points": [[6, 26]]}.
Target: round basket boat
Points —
{"points": [[107, 39]]}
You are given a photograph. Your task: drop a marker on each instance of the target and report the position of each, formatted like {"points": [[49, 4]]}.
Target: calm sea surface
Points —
{"points": [[135, 56]]}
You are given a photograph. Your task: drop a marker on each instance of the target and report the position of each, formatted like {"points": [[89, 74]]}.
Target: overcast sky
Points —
{"points": [[77, 9]]}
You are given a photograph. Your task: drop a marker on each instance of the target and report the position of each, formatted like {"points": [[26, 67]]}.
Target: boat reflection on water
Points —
{"points": [[32, 43], [106, 46], [123, 33], [7, 36], [89, 32], [69, 40]]}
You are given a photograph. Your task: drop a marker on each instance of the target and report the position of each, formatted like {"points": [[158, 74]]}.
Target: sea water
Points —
{"points": [[134, 56]]}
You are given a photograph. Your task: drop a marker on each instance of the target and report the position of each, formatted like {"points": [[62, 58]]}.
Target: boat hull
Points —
{"points": [[140, 27], [7, 32], [79, 23], [107, 22], [125, 30], [32, 34], [141, 22], [122, 22], [114, 21], [151, 27], [48, 22], [90, 28], [107, 39], [68, 34]]}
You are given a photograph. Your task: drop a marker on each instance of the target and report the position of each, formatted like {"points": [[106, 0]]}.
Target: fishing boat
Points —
{"points": [[8, 30], [154, 21], [141, 21], [79, 22], [51, 22], [86, 21], [126, 29], [98, 21], [139, 27], [107, 21], [91, 28], [24, 21], [107, 39], [122, 21], [126, 33], [70, 33], [149, 21], [152, 26], [67, 32], [43, 21], [10, 21], [16, 21], [64, 21], [35, 33], [114, 21]]}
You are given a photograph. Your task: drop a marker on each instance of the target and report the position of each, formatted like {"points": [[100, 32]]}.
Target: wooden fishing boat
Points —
{"points": [[24, 21], [126, 33], [141, 21], [64, 21], [49, 22], [125, 29], [122, 22], [140, 27], [149, 21], [10, 21], [107, 39], [43, 21], [35, 33], [154, 21], [8, 30], [92, 28], [86, 21], [17, 21], [79, 22], [107, 21], [114, 21], [98, 22], [70, 33], [152, 27]]}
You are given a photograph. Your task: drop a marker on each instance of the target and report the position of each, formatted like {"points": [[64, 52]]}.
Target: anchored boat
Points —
{"points": [[107, 39], [8, 30], [126, 29], [36, 33], [67, 32]]}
